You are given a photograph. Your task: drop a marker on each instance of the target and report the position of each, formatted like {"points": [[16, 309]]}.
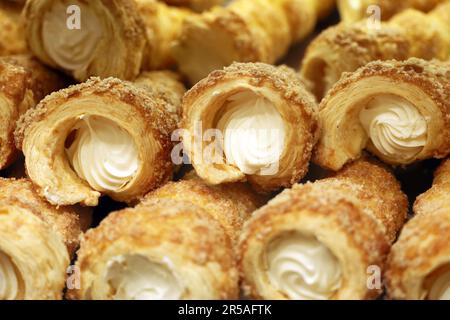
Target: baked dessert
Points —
{"points": [[23, 83], [321, 240], [419, 262], [37, 242], [164, 250], [250, 121], [245, 31], [347, 47], [399, 111], [102, 137]]}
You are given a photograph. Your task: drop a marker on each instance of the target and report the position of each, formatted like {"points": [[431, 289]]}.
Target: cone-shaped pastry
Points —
{"points": [[419, 262], [79, 37], [355, 10], [163, 25], [101, 137], [165, 250], [399, 111], [230, 204], [23, 83], [36, 243], [250, 121], [12, 36], [197, 5], [345, 48], [319, 240], [245, 31]]}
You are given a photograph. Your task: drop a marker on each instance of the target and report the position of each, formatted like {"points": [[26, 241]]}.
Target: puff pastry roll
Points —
{"points": [[23, 83], [197, 5], [79, 36], [230, 204], [12, 35], [419, 262], [399, 111], [101, 137], [345, 48], [355, 10], [245, 31], [36, 243], [166, 250], [250, 121], [318, 240]]}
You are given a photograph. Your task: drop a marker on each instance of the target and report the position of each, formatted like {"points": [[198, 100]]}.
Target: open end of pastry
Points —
{"points": [[437, 284], [71, 37], [303, 268], [204, 48], [394, 126], [11, 282], [135, 277], [321, 75], [102, 153], [253, 133]]}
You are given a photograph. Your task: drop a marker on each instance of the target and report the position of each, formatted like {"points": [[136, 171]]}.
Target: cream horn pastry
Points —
{"points": [[399, 111], [419, 262], [250, 121], [37, 242], [197, 5], [355, 10], [319, 240], [12, 35], [101, 137], [167, 250], [23, 83], [345, 48], [79, 36], [230, 204], [244, 31]]}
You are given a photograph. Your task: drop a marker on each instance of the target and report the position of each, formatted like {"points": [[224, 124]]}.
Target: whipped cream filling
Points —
{"points": [[302, 268], [71, 48], [395, 126], [440, 288], [254, 133], [134, 277], [9, 279], [103, 154]]}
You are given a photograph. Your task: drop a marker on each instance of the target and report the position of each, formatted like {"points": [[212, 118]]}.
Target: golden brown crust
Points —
{"points": [[298, 107], [64, 220], [344, 212], [125, 38], [244, 31], [345, 48], [423, 246], [163, 27], [194, 242], [230, 204], [23, 83], [135, 108], [429, 79], [12, 36]]}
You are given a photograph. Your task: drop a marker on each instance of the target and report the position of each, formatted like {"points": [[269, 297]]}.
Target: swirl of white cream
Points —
{"points": [[9, 279], [71, 48], [440, 289], [303, 268], [395, 126], [103, 154], [254, 133], [134, 277]]}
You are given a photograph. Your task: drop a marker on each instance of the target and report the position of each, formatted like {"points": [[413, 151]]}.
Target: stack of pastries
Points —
{"points": [[237, 177]]}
